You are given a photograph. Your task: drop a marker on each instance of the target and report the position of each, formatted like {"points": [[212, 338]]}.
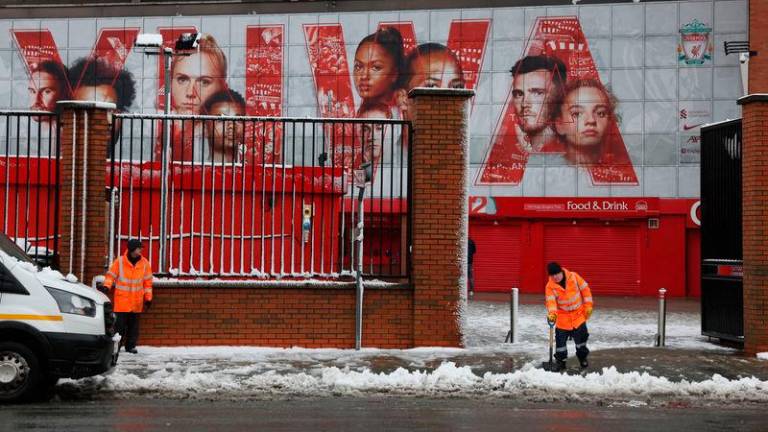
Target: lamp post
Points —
{"points": [[153, 45], [362, 179]]}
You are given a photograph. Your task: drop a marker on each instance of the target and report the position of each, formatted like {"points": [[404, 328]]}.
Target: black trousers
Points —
{"points": [[579, 336], [471, 278], [128, 326]]}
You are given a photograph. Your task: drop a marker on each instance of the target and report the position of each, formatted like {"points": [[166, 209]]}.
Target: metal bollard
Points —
{"points": [[661, 333], [513, 313]]}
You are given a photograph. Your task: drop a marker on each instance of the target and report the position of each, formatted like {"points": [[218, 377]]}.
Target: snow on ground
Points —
{"points": [[762, 356], [608, 328], [251, 372]]}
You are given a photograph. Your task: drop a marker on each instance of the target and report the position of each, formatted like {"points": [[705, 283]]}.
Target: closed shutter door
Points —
{"points": [[606, 256], [497, 261]]}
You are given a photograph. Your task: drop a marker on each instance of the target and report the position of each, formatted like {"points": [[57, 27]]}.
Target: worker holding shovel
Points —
{"points": [[569, 306]]}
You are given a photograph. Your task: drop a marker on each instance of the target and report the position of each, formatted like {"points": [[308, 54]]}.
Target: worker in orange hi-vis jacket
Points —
{"points": [[131, 276], [569, 305]]}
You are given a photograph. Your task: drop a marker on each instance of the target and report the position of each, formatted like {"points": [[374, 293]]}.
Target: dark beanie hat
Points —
{"points": [[553, 268], [133, 244]]}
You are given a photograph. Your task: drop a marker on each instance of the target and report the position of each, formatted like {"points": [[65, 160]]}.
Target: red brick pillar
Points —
{"points": [[754, 213], [84, 142], [758, 41], [439, 173]]}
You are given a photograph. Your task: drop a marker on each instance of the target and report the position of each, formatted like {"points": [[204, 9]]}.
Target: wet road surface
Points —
{"points": [[369, 415]]}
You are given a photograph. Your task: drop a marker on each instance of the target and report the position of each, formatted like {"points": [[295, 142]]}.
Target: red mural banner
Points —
{"points": [[467, 39], [333, 86], [264, 90], [573, 115]]}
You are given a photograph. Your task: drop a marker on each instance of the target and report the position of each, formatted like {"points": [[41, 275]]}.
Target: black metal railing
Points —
{"points": [[259, 197], [29, 181]]}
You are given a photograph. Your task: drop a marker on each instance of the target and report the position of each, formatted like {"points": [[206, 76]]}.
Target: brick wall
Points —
{"points": [[425, 312], [758, 41], [439, 181], [78, 159], [755, 214], [280, 317]]}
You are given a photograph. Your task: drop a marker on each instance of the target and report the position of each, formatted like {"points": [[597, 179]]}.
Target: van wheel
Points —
{"points": [[20, 374]]}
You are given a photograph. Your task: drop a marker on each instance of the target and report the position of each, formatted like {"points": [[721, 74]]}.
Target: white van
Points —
{"points": [[51, 327]]}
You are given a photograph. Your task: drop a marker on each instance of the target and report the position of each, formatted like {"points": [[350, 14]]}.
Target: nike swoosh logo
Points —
{"points": [[686, 127]]}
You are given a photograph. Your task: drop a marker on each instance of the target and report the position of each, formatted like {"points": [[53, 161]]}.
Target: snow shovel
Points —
{"points": [[550, 365]]}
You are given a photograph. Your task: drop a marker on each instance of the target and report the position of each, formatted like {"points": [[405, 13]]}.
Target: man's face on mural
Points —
{"points": [[194, 79], [374, 134], [584, 117], [99, 93], [375, 71], [226, 134], [532, 95], [43, 91]]}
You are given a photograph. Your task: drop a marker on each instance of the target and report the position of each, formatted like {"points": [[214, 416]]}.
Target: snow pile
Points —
{"points": [[528, 383], [762, 356]]}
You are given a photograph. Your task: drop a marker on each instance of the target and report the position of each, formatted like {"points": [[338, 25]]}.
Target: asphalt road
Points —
{"points": [[368, 415]]}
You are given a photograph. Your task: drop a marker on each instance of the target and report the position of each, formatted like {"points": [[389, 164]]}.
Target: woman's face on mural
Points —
{"points": [[531, 95], [194, 79], [438, 69], [375, 71], [43, 91], [226, 134], [584, 117]]}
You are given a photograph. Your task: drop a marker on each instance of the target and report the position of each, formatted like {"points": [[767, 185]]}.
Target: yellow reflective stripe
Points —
{"points": [[581, 287], [129, 281], [587, 299], [26, 317], [571, 308], [131, 288], [551, 297], [570, 299]]}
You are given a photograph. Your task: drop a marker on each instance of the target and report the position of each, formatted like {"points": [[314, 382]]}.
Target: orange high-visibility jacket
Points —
{"points": [[133, 284], [569, 302]]}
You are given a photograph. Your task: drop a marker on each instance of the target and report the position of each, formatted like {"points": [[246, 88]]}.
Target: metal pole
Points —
{"points": [[359, 271], [661, 335], [113, 202], [513, 314], [165, 159]]}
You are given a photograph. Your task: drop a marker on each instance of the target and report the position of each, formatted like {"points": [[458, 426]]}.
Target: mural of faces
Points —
{"points": [[439, 69], [194, 78]]}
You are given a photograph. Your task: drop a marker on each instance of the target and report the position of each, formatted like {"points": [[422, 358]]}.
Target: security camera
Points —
{"points": [[187, 41], [744, 58], [149, 40]]}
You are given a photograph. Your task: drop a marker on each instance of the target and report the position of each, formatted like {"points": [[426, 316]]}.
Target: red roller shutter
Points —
{"points": [[607, 256], [497, 261]]}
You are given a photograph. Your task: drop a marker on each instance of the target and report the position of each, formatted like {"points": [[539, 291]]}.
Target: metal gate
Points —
{"points": [[263, 197], [722, 305], [29, 180]]}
